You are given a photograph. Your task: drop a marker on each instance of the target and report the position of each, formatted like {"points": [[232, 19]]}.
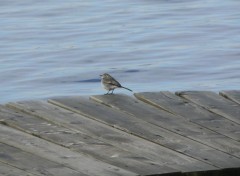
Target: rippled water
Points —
{"points": [[55, 48]]}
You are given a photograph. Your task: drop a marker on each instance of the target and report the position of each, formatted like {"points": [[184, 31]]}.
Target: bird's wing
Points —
{"points": [[112, 81]]}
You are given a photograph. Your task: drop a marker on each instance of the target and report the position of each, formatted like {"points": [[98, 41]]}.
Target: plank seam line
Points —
{"points": [[68, 127], [152, 104], [129, 132], [49, 140], [202, 125], [208, 109], [37, 116], [34, 154], [229, 98], [191, 138], [13, 126], [24, 170]]}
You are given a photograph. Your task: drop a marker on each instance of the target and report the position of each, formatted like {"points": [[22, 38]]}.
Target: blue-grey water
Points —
{"points": [[59, 48]]}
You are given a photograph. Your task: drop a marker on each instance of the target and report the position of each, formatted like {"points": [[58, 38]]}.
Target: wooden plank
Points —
{"points": [[133, 144], [79, 142], [214, 103], [32, 163], [7, 170], [233, 95], [191, 112], [171, 122], [79, 162], [147, 131]]}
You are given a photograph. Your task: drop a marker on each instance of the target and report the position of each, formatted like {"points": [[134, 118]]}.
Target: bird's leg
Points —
{"points": [[107, 92], [112, 91]]}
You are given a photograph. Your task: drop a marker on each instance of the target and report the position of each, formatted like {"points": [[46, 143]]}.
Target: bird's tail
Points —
{"points": [[126, 88]]}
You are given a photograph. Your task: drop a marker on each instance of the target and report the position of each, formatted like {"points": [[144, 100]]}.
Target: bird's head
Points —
{"points": [[105, 75]]}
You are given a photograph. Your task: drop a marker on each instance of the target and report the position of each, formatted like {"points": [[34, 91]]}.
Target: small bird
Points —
{"points": [[109, 83]]}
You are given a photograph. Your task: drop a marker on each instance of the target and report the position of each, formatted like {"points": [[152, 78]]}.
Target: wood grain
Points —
{"points": [[159, 133], [137, 146], [147, 131], [214, 103], [79, 162], [233, 95], [191, 112]]}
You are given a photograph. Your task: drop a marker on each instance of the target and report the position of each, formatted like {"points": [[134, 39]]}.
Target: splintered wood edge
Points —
{"points": [[229, 97]]}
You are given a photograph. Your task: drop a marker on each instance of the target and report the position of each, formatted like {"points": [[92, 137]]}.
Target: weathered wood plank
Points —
{"points": [[79, 162], [77, 141], [32, 163], [133, 144], [171, 122], [147, 131], [196, 114], [214, 103], [233, 95], [7, 170]]}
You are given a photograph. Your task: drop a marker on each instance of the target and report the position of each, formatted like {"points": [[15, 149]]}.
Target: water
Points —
{"points": [[57, 48]]}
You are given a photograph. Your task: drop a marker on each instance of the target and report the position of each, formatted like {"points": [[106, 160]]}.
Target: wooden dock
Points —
{"points": [[192, 133]]}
